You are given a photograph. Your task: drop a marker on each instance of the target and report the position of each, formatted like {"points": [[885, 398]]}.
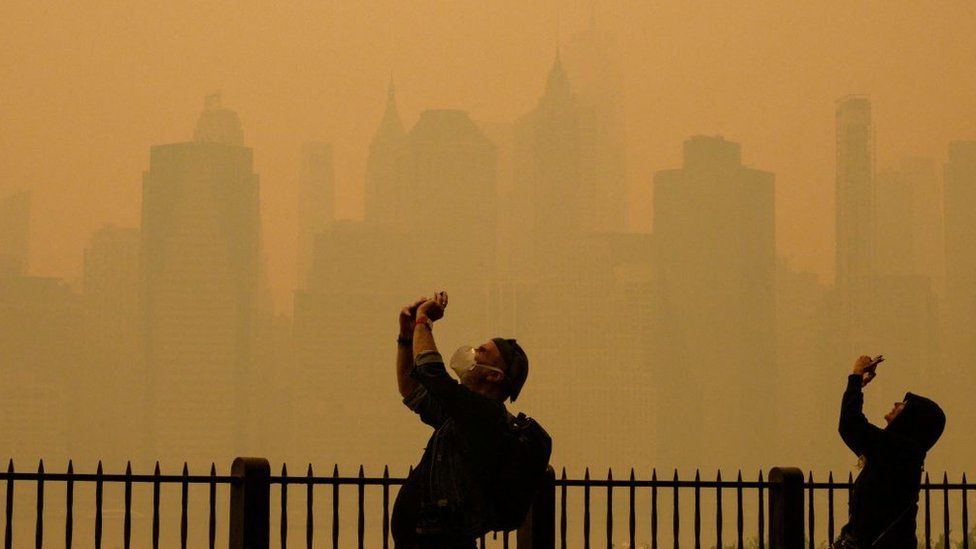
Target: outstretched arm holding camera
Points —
{"points": [[404, 361]]}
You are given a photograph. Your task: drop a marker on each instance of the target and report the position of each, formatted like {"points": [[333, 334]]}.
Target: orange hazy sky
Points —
{"points": [[86, 88]]}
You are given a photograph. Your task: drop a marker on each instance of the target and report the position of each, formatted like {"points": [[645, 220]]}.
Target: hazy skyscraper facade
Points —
{"points": [[14, 234], [908, 254], [593, 68], [201, 274], [445, 181], [960, 234], [112, 376], [714, 271], [39, 356], [855, 211], [316, 201]]}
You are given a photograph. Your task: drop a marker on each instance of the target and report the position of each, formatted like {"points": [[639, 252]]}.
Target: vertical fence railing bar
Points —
{"points": [[830, 508], [965, 514], [212, 518], [69, 505], [127, 519], [653, 508], [335, 507], [739, 523], [762, 517], [98, 506], [609, 508], [697, 510], [8, 534], [283, 522], [586, 509], [632, 514], [309, 510], [928, 517], [945, 509], [184, 497], [361, 511], [155, 509], [811, 543], [562, 511], [718, 510], [676, 514], [39, 520], [386, 507]]}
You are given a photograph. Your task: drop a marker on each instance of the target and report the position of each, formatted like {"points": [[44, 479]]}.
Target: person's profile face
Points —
{"points": [[486, 354], [895, 410]]}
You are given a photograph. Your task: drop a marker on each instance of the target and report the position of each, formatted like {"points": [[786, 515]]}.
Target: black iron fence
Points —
{"points": [[781, 510], [99, 479]]}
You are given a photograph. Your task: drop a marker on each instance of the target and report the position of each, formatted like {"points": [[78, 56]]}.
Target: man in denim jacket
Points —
{"points": [[444, 502]]}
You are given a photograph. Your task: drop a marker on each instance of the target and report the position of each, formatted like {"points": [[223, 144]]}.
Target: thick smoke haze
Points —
{"points": [[87, 88], [693, 217]]}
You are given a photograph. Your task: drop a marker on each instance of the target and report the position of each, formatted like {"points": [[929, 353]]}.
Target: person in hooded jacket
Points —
{"points": [[884, 502]]}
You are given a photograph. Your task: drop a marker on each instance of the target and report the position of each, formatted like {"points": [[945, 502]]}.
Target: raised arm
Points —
{"points": [[404, 359], [856, 431]]}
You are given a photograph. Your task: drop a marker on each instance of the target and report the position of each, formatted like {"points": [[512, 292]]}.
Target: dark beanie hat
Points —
{"points": [[516, 365], [921, 420]]}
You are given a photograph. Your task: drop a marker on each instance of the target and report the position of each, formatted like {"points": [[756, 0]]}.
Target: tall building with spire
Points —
{"points": [[382, 195], [546, 171], [316, 201], [592, 66], [201, 245]]}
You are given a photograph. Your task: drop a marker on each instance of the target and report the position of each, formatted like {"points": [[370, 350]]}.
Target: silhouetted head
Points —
{"points": [[918, 419], [512, 369]]}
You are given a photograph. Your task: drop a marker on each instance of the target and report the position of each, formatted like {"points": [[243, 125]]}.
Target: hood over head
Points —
{"points": [[922, 421]]}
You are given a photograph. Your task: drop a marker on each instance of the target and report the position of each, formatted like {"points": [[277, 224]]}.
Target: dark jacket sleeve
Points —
{"points": [[858, 434], [440, 397]]}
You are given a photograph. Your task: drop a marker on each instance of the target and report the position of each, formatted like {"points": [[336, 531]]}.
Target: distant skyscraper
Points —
{"points": [[14, 234], [340, 318], [113, 372], [201, 274], [381, 193], [591, 62], [446, 171], [714, 274], [855, 211], [316, 204], [547, 174], [906, 272], [39, 357], [960, 235], [910, 237]]}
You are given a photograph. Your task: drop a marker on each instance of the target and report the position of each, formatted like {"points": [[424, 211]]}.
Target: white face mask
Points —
{"points": [[463, 361]]}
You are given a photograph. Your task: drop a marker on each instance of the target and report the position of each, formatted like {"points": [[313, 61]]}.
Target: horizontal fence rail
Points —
{"points": [[651, 512]]}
